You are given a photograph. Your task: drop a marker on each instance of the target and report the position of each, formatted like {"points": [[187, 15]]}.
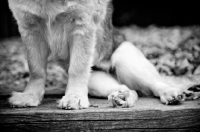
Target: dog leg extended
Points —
{"points": [[136, 72]]}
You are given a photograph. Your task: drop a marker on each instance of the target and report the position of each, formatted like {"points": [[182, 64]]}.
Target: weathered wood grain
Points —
{"points": [[147, 115]]}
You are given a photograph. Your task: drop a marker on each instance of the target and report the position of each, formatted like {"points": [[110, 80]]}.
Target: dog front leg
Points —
{"points": [[37, 52], [81, 58]]}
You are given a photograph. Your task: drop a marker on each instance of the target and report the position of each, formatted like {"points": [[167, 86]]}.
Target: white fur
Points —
{"points": [[133, 69], [102, 84], [136, 73]]}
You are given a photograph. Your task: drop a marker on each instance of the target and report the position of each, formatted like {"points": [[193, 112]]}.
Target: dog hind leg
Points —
{"points": [[136, 72]]}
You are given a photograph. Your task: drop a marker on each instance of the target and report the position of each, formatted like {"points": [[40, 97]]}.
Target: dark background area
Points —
{"points": [[164, 14]]}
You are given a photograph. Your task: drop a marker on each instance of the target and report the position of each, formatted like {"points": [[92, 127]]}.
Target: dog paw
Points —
{"points": [[123, 98], [192, 93], [73, 102], [24, 99], [171, 96]]}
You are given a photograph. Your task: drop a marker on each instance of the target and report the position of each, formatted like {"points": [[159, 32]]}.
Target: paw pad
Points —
{"points": [[192, 92], [122, 99], [176, 101]]}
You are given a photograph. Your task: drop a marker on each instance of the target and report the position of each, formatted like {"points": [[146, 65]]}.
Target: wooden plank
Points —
{"points": [[147, 114]]}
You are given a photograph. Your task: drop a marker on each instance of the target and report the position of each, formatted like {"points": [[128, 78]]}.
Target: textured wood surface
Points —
{"points": [[147, 115]]}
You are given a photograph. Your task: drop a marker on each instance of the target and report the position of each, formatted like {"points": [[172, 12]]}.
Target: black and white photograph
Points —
{"points": [[99, 65]]}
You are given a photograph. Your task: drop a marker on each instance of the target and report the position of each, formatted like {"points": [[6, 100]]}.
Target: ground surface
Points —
{"points": [[147, 114]]}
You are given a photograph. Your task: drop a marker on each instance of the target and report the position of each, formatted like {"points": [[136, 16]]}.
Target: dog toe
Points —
{"points": [[123, 99], [24, 100], [73, 102]]}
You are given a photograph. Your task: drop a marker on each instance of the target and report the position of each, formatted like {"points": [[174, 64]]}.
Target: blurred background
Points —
{"points": [[164, 13]]}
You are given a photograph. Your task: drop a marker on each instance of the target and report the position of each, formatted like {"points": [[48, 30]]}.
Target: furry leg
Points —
{"points": [[104, 85], [82, 50], [136, 72], [37, 53]]}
